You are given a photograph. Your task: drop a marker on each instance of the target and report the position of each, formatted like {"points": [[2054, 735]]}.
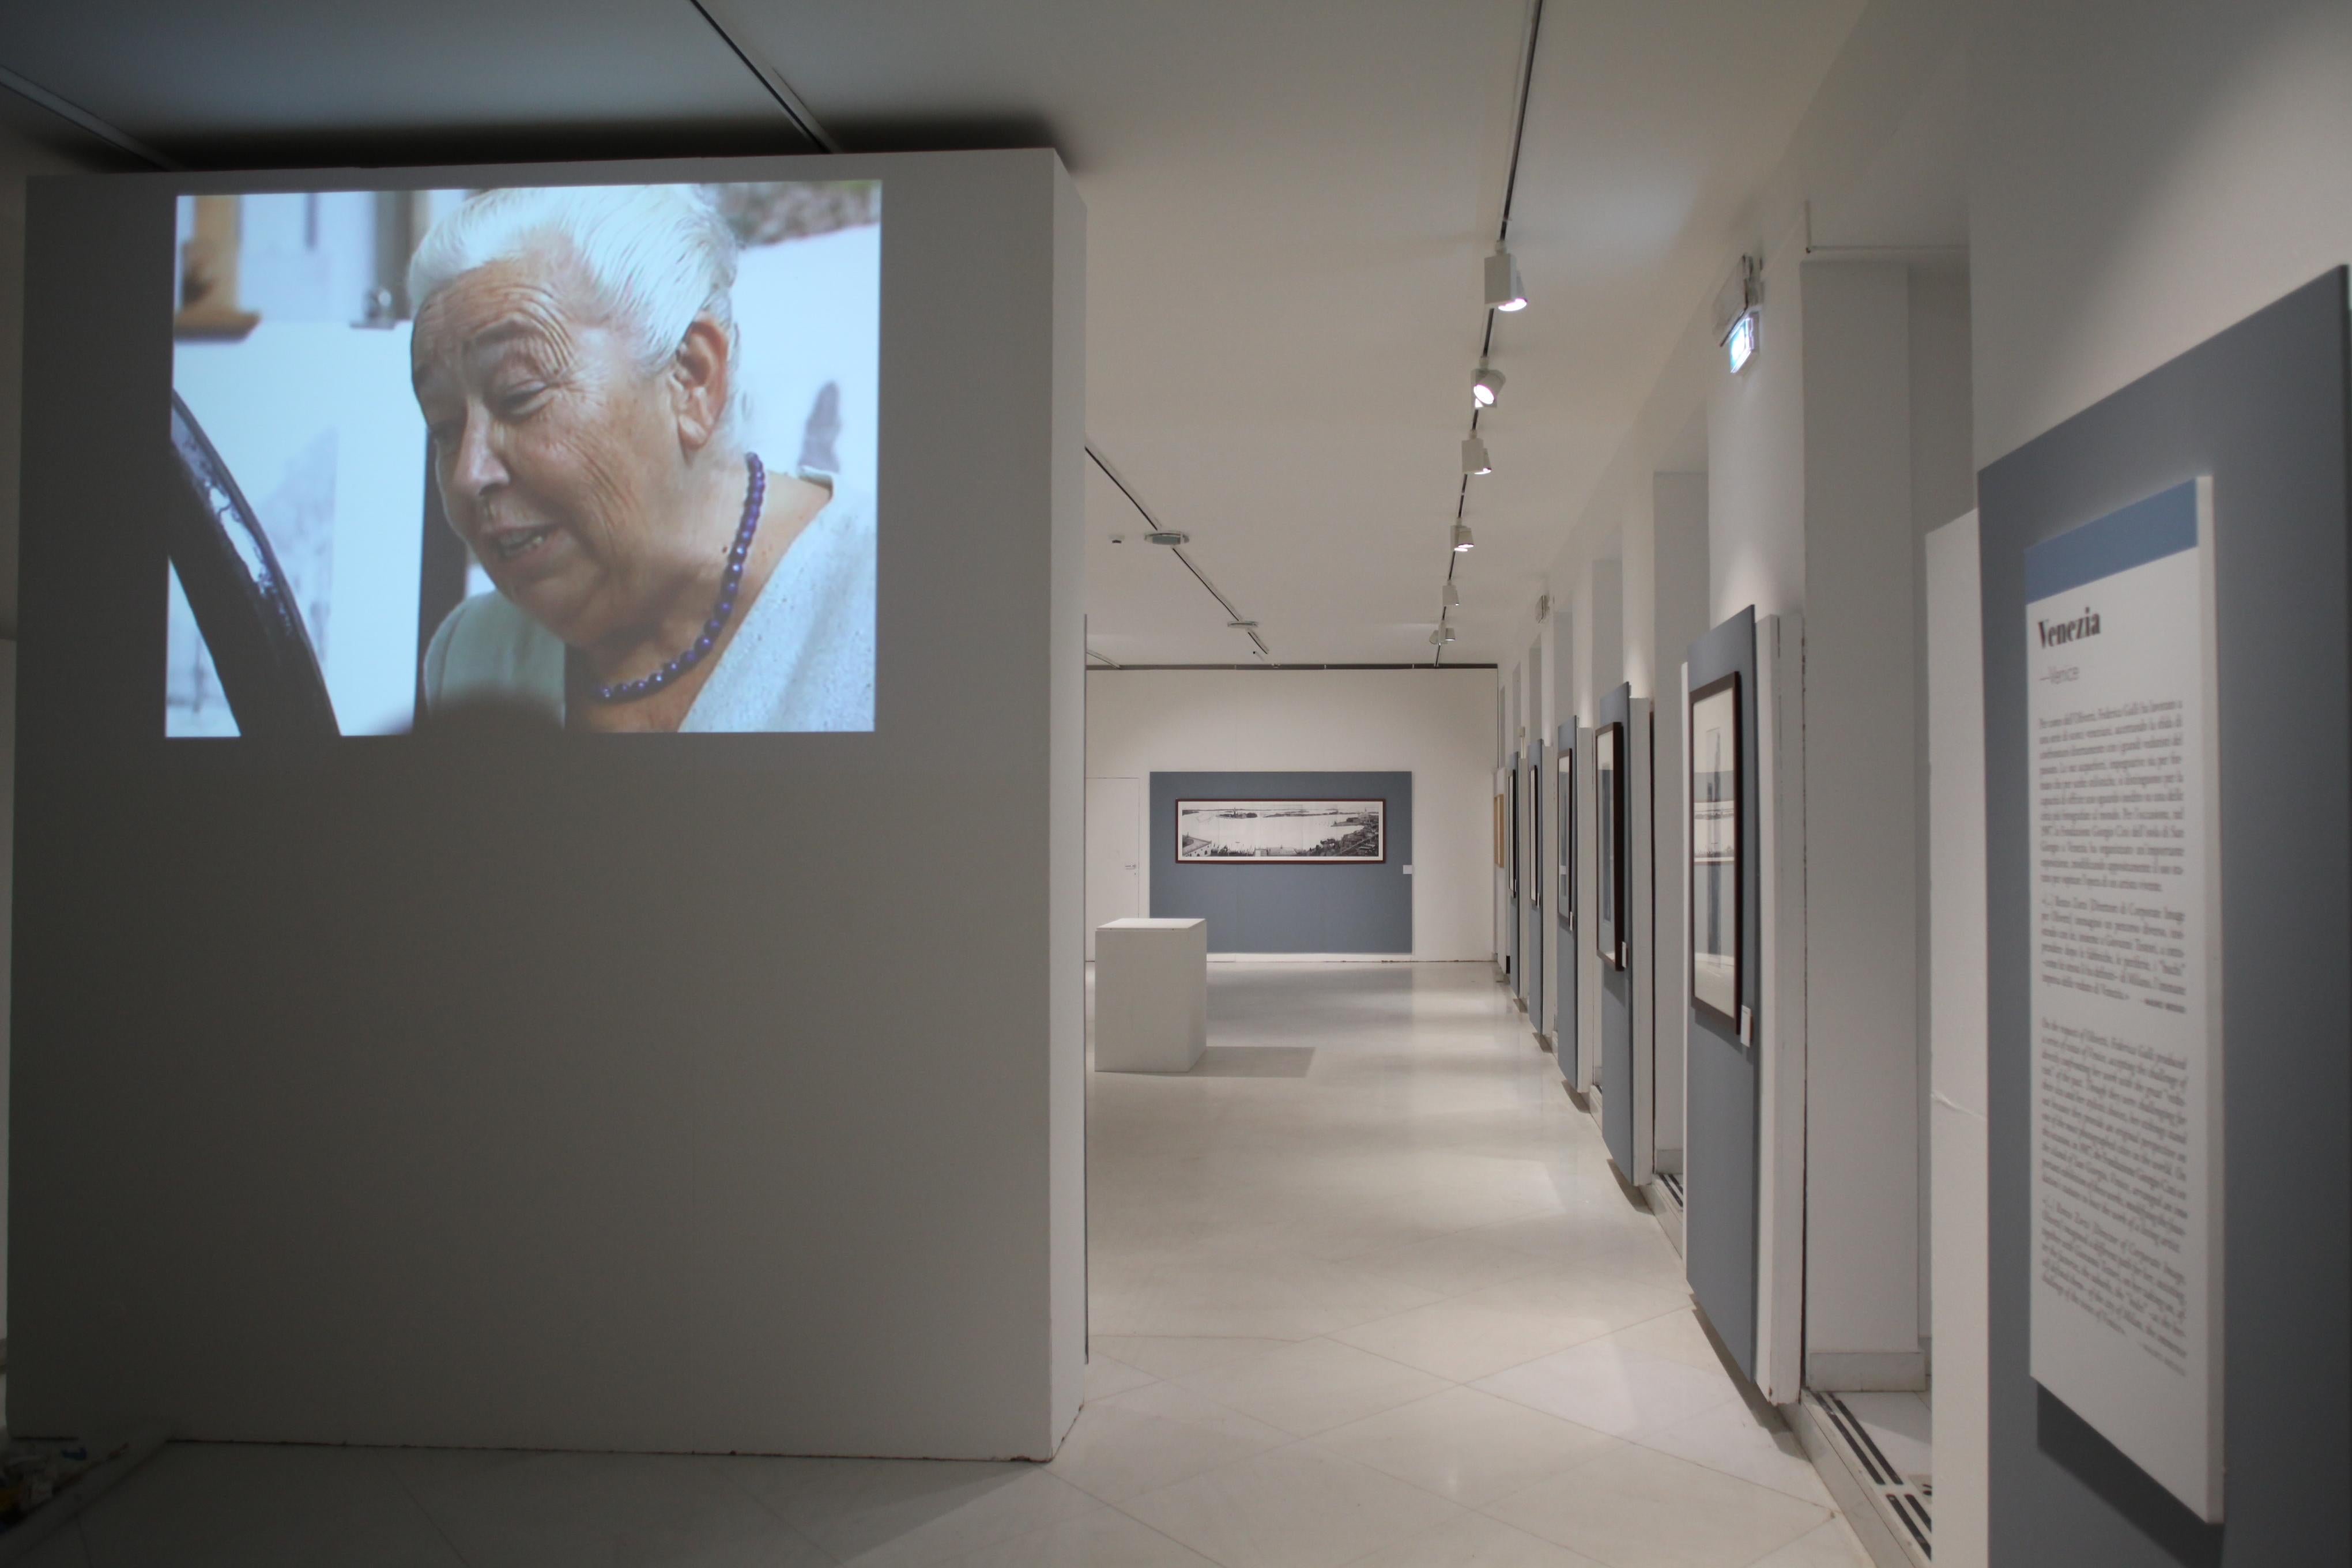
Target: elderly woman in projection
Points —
{"points": [[577, 363]]}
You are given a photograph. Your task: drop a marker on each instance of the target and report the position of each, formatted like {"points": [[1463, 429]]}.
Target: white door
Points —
{"points": [[1114, 853]]}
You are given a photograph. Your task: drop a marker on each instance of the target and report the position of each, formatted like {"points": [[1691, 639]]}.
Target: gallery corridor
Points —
{"points": [[1364, 1292]]}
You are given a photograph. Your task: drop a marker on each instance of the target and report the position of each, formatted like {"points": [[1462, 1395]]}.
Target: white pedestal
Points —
{"points": [[1151, 996]]}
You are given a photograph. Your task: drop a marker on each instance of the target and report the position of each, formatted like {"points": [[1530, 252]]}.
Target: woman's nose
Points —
{"points": [[477, 470]]}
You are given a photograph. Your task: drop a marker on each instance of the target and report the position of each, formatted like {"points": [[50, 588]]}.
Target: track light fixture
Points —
{"points": [[1502, 290], [1474, 457], [1445, 633], [1453, 596], [1462, 539], [1487, 385]]}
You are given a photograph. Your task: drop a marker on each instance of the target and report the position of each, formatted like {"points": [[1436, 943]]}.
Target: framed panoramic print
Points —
{"points": [[1281, 832], [1715, 849], [1609, 842]]}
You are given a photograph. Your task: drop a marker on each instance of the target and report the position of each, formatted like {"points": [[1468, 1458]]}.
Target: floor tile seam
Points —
{"points": [[1644, 1435], [1125, 1505], [392, 1472], [1449, 1380], [1480, 1383], [728, 1474], [1588, 1552], [1592, 1338], [1107, 1507], [1607, 1448], [1629, 1278], [1296, 1437], [1608, 1442]]}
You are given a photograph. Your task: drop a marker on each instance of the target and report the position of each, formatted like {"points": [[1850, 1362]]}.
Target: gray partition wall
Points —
{"points": [[1288, 907], [1564, 905], [2262, 408], [1724, 1087], [1533, 882], [1618, 998], [508, 1089], [1511, 874]]}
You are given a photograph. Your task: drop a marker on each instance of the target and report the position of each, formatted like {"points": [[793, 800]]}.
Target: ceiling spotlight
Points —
{"points": [[1453, 596], [1443, 634], [1487, 385], [1503, 290], [1474, 457], [1462, 539], [1169, 537]]}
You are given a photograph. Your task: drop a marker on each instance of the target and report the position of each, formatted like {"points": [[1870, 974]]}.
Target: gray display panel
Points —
{"points": [[1288, 906], [1723, 1088], [1532, 912], [1618, 1002], [1564, 1013], [2262, 408]]}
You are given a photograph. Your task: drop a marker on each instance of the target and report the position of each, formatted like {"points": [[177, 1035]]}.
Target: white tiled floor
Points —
{"points": [[1364, 1292]]}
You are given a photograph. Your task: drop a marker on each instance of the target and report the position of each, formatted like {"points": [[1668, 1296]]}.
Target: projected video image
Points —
{"points": [[592, 457]]}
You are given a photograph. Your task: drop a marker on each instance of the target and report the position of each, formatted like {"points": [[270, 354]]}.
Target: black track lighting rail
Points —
{"points": [[1144, 512], [1502, 238]]}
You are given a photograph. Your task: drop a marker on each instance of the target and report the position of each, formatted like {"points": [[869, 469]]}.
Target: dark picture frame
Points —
{"points": [[1567, 901], [1379, 805], [1609, 842], [1718, 868]]}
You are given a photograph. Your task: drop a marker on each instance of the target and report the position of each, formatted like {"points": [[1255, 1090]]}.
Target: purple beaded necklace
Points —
{"points": [[720, 613]]}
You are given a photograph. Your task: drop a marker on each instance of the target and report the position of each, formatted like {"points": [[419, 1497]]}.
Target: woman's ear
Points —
{"points": [[701, 377]]}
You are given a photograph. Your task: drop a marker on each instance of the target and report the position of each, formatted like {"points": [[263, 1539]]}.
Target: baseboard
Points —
{"points": [[1888, 1515], [1863, 1511], [1867, 1372], [1666, 1202]]}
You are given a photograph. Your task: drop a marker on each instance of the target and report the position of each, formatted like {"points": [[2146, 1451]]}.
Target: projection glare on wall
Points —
{"points": [[595, 457]]}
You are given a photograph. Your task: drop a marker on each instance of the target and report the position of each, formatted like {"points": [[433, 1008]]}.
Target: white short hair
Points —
{"points": [[656, 255]]}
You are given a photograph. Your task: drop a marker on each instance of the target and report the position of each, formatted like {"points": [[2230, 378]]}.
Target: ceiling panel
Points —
{"points": [[1287, 208], [227, 81]]}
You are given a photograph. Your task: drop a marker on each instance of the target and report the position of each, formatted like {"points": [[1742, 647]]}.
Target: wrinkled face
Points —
{"points": [[557, 455]]}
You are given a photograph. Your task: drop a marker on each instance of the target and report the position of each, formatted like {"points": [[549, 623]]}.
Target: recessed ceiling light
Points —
{"points": [[1487, 385], [1474, 457], [1502, 290]]}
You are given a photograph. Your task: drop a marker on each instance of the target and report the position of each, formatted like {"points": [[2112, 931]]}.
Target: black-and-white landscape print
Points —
{"points": [[1322, 831]]}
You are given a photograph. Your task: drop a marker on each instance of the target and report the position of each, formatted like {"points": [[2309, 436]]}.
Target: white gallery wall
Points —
{"points": [[2142, 174], [1817, 468], [1435, 724], [1678, 545], [630, 1122], [1862, 823]]}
